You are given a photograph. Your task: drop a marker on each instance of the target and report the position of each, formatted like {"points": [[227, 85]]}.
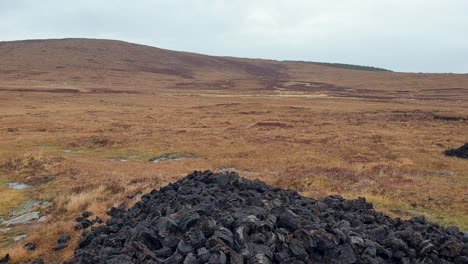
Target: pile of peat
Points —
{"points": [[222, 218], [461, 152]]}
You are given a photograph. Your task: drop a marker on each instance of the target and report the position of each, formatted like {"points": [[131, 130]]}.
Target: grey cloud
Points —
{"points": [[417, 35]]}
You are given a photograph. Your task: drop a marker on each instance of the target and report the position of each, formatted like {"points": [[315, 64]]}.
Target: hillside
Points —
{"points": [[90, 65], [87, 125], [86, 62]]}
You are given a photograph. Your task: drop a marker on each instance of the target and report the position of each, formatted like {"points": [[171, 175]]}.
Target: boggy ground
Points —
{"points": [[92, 151]]}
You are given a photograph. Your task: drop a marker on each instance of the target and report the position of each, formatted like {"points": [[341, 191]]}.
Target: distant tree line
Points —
{"points": [[346, 66]]}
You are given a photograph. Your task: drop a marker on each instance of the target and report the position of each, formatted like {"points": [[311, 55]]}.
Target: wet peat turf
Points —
{"points": [[461, 152], [222, 218]]}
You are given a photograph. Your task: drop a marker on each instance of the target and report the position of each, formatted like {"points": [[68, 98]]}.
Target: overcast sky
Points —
{"points": [[401, 35]]}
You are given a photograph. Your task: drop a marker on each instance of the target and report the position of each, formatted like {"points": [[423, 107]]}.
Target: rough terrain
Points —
{"points": [[223, 218], [96, 66], [86, 125]]}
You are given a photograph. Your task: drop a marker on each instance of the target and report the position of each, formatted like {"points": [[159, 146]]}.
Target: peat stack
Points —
{"points": [[222, 218], [461, 152]]}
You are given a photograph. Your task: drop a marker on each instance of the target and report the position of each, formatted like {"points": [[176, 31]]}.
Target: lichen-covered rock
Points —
{"points": [[223, 218]]}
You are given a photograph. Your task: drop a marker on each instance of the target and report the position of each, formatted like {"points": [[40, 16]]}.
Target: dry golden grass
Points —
{"points": [[377, 138], [390, 153]]}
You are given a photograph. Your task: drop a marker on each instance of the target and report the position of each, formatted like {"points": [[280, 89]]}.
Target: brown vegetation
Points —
{"points": [[381, 137]]}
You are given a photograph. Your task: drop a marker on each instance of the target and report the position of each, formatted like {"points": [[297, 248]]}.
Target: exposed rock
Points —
{"points": [[22, 219], [42, 219], [223, 218], [27, 207], [20, 237], [169, 157], [228, 169], [46, 204], [18, 186], [120, 159]]}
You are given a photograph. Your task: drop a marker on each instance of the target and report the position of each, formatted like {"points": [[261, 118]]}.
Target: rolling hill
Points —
{"points": [[89, 124], [93, 65]]}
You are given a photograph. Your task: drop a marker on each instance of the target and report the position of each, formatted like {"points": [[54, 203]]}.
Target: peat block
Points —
{"points": [[461, 152], [222, 218]]}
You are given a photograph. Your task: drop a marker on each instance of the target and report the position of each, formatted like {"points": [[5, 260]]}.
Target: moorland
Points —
{"points": [[89, 124]]}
